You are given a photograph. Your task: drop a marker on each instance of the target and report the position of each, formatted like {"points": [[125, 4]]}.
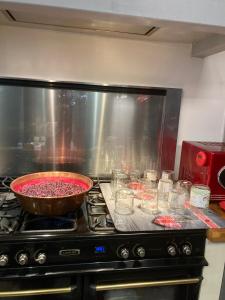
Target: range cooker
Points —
{"points": [[82, 256]]}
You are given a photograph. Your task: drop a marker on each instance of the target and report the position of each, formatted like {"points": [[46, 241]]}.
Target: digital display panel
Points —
{"points": [[100, 249]]}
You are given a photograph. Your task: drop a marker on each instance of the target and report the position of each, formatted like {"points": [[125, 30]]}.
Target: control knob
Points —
{"points": [[172, 250], [4, 259], [22, 259], [124, 253], [186, 249], [140, 251], [41, 258]]}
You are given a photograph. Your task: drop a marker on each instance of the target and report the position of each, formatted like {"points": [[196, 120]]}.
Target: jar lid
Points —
{"points": [[201, 186]]}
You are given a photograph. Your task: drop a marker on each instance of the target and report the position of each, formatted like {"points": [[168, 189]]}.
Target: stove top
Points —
{"points": [[99, 218], [84, 236], [93, 215], [41, 224]]}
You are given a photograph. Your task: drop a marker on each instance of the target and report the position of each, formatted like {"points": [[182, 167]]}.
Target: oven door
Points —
{"points": [[47, 287], [143, 285]]}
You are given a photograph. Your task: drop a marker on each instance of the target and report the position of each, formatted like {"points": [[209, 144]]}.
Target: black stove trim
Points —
{"points": [[102, 267], [17, 236], [155, 91]]}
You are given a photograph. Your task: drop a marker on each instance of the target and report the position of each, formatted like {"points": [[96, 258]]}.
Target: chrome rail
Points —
{"points": [[38, 292], [144, 284]]}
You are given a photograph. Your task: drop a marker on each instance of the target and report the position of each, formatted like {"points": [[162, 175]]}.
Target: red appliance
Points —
{"points": [[204, 163]]}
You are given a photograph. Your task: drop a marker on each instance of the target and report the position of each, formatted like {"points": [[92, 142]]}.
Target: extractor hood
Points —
{"points": [[143, 19], [93, 22]]}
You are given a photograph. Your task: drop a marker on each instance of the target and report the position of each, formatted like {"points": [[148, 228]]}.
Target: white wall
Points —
{"points": [[213, 274], [55, 55], [34, 53]]}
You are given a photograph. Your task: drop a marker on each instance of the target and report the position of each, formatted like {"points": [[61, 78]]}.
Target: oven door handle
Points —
{"points": [[38, 292], [143, 284]]}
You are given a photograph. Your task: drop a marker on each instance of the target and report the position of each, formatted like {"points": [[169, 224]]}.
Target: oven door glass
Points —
{"points": [[48, 288], [139, 286], [174, 292]]}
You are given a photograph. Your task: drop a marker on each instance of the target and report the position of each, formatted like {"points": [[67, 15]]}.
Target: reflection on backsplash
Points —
{"points": [[90, 132]]}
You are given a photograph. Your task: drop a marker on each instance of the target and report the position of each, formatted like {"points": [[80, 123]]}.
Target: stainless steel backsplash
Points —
{"points": [[86, 129]]}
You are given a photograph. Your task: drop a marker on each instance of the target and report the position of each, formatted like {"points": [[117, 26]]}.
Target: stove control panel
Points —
{"points": [[100, 248]]}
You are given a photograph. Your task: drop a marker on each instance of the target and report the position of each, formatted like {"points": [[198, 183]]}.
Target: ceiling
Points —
{"points": [[106, 24]]}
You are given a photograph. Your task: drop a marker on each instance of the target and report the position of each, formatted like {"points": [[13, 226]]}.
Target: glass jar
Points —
{"points": [[176, 200], [150, 176], [184, 188], [119, 180], [149, 201], [165, 185], [124, 201], [135, 175]]}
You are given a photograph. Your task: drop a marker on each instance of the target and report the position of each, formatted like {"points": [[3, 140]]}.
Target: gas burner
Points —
{"points": [[43, 224], [96, 210], [95, 189], [99, 218], [101, 224], [8, 201], [94, 200], [96, 206], [100, 197], [10, 212]]}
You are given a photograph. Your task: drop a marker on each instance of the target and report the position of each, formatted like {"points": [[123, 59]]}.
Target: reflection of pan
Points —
{"points": [[59, 160], [59, 157], [56, 205]]}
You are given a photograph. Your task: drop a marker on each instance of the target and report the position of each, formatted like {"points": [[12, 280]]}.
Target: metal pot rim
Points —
{"points": [[51, 174]]}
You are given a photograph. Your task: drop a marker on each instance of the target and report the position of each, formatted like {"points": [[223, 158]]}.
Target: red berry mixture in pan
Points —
{"points": [[52, 187]]}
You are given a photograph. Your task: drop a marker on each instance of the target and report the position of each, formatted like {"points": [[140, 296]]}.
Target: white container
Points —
{"points": [[200, 196]]}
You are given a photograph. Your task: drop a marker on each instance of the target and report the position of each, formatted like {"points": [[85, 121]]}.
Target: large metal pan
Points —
{"points": [[50, 206]]}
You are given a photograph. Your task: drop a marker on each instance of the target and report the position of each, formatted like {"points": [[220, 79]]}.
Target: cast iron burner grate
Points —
{"points": [[10, 213], [12, 217], [99, 218], [5, 184], [10, 210], [43, 224]]}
